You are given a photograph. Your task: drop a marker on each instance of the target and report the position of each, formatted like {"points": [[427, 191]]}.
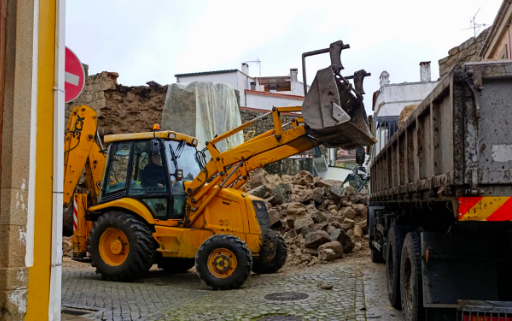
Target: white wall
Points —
{"points": [[393, 98], [336, 173], [267, 102]]}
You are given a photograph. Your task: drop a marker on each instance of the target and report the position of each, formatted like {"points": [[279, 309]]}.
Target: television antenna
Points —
{"points": [[474, 25]]}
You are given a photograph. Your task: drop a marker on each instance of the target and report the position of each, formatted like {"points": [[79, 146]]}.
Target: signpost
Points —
{"points": [[74, 76]]}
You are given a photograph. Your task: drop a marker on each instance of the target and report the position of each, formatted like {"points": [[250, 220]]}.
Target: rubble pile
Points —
{"points": [[319, 219]]}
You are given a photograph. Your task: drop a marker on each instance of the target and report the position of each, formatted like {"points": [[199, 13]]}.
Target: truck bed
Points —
{"points": [[457, 143]]}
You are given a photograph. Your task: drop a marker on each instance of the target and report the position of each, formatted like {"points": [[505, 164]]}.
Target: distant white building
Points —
{"points": [[391, 99], [255, 92]]}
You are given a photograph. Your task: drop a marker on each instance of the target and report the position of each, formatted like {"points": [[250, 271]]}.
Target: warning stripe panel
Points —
{"points": [[485, 209]]}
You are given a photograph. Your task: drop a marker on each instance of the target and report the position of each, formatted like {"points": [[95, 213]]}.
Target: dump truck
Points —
{"points": [[154, 198], [440, 201]]}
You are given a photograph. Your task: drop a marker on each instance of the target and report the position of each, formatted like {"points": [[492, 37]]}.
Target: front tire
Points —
{"points": [[395, 241], [223, 262], [276, 263], [121, 246], [410, 279]]}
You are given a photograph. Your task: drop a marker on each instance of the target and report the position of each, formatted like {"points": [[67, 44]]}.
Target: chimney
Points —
{"points": [[425, 71], [384, 78], [293, 74], [245, 68], [253, 85]]}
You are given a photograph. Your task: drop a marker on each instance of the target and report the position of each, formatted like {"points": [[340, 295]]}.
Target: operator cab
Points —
{"points": [[152, 168]]}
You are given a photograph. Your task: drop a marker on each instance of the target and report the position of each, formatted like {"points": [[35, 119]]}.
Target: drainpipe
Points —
{"points": [[58, 163]]}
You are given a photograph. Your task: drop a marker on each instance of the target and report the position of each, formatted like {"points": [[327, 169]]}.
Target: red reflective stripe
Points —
{"points": [[466, 203], [504, 213]]}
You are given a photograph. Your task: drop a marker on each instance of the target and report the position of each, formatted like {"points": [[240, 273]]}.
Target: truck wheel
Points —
{"points": [[175, 265], [121, 246], [277, 262], [395, 241], [410, 279], [223, 262]]}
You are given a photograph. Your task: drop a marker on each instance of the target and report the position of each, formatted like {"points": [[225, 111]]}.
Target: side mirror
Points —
{"points": [[179, 174], [155, 146]]}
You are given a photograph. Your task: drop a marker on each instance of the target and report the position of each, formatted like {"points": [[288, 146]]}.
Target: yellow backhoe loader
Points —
{"points": [[155, 199]]}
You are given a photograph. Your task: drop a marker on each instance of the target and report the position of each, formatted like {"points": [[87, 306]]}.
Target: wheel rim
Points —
{"points": [[408, 284], [222, 263], [114, 247]]}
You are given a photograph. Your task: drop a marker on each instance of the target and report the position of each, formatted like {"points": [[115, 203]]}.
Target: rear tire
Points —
{"points": [[276, 263], [395, 241], [122, 247], [223, 262], [411, 287], [173, 265]]}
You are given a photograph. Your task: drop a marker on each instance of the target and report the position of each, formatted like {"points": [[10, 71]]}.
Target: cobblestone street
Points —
{"points": [[184, 297]]}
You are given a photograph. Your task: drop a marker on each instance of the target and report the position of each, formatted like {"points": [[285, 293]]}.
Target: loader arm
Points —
{"points": [[82, 150], [231, 168]]}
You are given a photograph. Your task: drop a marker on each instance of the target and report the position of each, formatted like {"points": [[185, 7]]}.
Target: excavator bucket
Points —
{"points": [[333, 109]]}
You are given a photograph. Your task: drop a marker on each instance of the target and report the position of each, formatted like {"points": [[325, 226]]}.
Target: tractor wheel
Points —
{"points": [[223, 262], [277, 262], [395, 241], [173, 265], [410, 279], [121, 246]]}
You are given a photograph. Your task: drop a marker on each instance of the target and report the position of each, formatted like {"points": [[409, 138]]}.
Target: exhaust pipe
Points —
{"points": [[333, 109]]}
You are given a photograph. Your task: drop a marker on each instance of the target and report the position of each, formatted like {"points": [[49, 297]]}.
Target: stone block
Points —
{"points": [[13, 305], [13, 278], [330, 251], [282, 193], [14, 207], [316, 238], [13, 241], [453, 51]]}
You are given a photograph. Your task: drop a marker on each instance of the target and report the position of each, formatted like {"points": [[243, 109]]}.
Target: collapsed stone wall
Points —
{"points": [[465, 52], [123, 109], [320, 220]]}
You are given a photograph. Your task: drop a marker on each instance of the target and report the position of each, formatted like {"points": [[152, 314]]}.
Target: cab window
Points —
{"points": [[148, 175], [118, 169]]}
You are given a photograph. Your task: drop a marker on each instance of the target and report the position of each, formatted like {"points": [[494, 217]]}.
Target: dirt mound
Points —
{"points": [[405, 113], [320, 220]]}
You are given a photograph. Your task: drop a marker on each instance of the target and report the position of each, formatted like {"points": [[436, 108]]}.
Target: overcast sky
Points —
{"points": [[156, 39]]}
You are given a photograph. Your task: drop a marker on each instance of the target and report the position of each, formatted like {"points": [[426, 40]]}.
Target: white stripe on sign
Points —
{"points": [[72, 79]]}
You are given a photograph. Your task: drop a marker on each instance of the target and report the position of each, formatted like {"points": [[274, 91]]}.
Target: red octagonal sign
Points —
{"points": [[74, 76]]}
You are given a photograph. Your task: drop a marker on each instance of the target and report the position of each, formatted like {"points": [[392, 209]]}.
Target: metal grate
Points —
{"points": [[280, 318], [286, 296], [472, 310]]}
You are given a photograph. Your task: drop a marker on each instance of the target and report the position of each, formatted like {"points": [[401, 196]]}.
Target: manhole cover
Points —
{"points": [[286, 296], [76, 312], [280, 318]]}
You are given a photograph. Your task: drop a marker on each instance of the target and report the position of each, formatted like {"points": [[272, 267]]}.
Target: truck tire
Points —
{"points": [[411, 280], [394, 242], [173, 265], [223, 262], [121, 246], [277, 262]]}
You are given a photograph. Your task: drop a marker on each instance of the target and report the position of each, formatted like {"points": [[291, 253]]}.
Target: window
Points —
{"points": [[185, 157], [148, 175], [118, 170]]}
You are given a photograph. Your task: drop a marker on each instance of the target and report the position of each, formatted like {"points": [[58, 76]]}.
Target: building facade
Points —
{"points": [[32, 137], [255, 92], [390, 100], [498, 42]]}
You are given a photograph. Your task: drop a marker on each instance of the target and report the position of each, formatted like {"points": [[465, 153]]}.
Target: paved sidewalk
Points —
{"points": [[184, 297]]}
